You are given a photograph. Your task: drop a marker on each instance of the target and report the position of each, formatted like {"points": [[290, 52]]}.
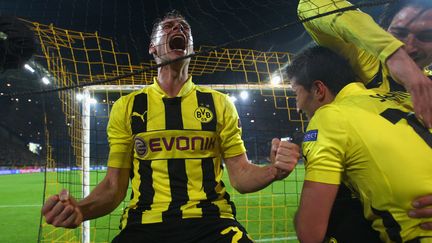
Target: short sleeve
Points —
{"points": [[230, 132], [120, 136], [324, 146]]}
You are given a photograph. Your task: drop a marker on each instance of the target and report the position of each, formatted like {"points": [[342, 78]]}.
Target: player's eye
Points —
{"points": [[400, 33], [424, 36], [167, 26]]}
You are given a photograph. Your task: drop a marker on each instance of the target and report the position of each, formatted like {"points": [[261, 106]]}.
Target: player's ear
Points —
{"points": [[152, 49], [319, 89]]}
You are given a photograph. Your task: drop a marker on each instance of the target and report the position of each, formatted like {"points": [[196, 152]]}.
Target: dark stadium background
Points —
{"points": [[129, 23]]}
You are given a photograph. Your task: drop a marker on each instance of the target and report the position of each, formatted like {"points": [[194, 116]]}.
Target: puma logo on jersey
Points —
{"points": [[141, 116]]}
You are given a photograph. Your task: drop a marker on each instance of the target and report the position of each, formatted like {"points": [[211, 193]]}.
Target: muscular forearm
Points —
{"points": [[246, 177], [253, 178], [107, 195], [101, 201]]}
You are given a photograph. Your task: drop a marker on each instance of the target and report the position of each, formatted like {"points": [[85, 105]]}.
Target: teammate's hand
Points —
{"points": [[405, 71], [284, 156], [421, 93], [422, 209], [62, 210]]}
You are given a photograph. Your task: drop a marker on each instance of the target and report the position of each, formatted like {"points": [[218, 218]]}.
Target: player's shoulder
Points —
{"points": [[329, 111], [124, 100], [215, 93]]}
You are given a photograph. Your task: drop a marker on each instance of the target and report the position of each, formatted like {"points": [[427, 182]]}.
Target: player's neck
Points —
{"points": [[171, 79]]}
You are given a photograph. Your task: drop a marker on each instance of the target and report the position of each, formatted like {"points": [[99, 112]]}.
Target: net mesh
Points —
{"points": [[72, 58]]}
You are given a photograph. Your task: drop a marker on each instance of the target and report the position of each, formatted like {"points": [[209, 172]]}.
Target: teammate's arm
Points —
{"points": [[63, 210], [344, 34], [314, 211], [246, 177], [404, 70]]}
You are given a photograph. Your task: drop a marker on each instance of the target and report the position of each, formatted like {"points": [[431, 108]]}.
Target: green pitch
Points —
{"points": [[267, 215]]}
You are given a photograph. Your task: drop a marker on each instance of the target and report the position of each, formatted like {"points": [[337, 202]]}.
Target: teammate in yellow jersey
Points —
{"points": [[359, 137], [384, 59], [393, 60], [170, 139]]}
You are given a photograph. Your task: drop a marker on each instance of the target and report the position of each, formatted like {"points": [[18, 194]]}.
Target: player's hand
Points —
{"points": [[284, 156], [421, 93], [422, 209], [405, 71], [62, 210]]}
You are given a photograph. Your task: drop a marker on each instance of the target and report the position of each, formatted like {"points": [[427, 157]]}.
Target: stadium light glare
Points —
{"points": [[233, 98], [79, 96], [244, 95], [275, 80], [29, 68], [45, 80], [92, 101]]}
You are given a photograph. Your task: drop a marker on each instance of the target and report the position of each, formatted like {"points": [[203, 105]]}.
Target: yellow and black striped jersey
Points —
{"points": [[370, 141], [174, 147]]}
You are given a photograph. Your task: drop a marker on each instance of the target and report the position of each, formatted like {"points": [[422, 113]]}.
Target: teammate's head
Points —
{"points": [[317, 75], [411, 22], [171, 37]]}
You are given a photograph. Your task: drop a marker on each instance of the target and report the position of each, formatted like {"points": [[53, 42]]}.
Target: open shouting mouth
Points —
{"points": [[177, 43]]}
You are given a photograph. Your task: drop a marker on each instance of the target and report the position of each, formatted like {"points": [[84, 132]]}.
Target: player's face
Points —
{"points": [[173, 39], [304, 99], [414, 28]]}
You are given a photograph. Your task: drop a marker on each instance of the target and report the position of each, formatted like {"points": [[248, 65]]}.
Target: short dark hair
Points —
{"points": [[321, 63], [391, 9], [173, 14]]}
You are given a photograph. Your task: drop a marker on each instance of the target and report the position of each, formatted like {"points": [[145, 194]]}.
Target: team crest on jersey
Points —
{"points": [[310, 136], [203, 114], [140, 146]]}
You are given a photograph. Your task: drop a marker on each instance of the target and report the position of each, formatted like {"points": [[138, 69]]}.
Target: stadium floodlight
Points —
{"points": [[275, 80], [45, 80], [244, 95], [29, 68]]}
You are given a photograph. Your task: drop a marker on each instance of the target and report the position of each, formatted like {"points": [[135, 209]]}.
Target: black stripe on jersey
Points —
{"points": [[145, 200], [393, 228], [178, 186], [395, 86], [209, 185], [228, 199], [139, 119], [173, 113], [377, 79], [206, 100], [395, 115]]}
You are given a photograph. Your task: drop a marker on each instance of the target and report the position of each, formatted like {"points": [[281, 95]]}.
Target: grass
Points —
{"points": [[267, 215], [20, 203]]}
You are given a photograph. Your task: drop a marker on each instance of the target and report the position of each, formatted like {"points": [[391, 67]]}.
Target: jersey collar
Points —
{"points": [[188, 86], [350, 89]]}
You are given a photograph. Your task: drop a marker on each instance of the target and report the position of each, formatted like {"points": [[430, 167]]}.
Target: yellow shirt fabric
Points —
{"points": [[354, 35], [174, 147], [365, 138]]}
